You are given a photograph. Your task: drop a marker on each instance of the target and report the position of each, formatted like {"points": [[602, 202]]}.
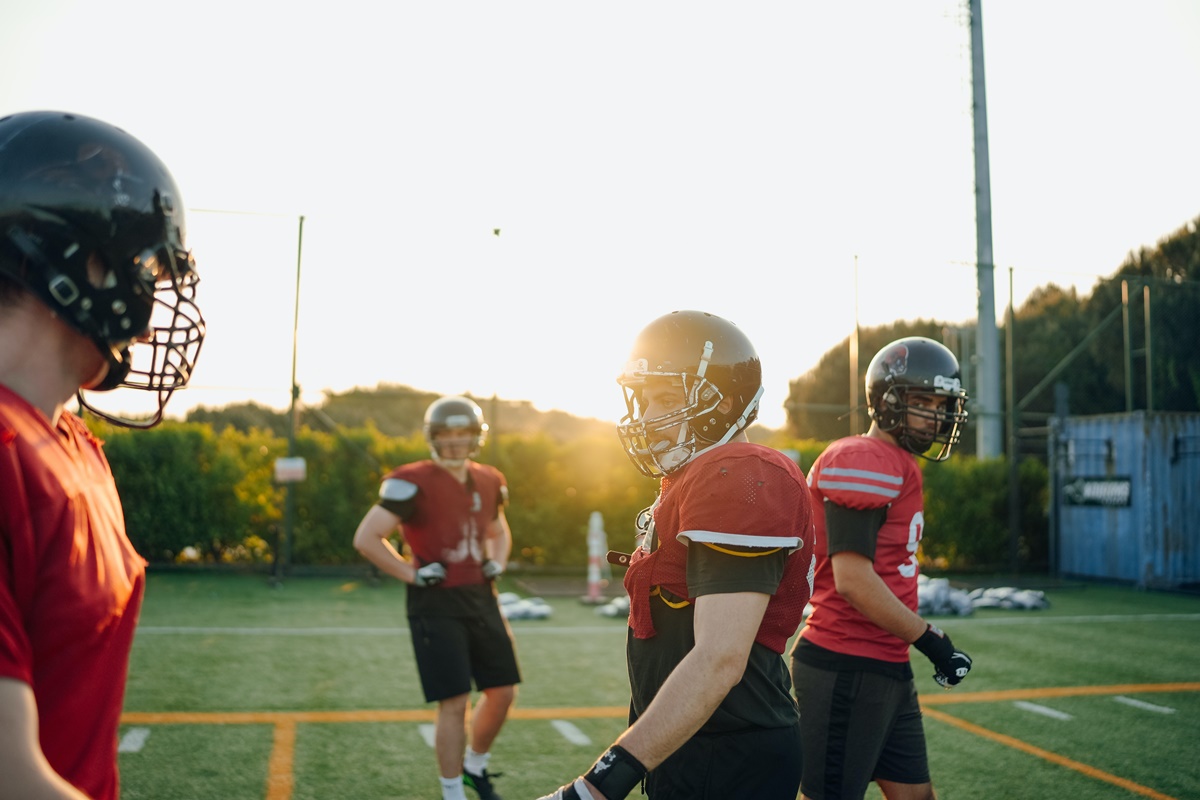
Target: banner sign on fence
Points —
{"points": [[1098, 491]]}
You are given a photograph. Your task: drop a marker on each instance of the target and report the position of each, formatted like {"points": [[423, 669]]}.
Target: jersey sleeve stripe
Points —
{"points": [[742, 540], [862, 488], [882, 477]]}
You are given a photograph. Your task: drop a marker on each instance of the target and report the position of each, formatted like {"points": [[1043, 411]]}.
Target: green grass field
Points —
{"points": [[308, 691]]}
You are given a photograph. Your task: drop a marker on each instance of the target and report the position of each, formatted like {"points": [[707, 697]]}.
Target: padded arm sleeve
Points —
{"points": [[853, 529], [398, 496]]}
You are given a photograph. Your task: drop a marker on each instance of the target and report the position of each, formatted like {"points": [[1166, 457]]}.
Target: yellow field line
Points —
{"points": [[1053, 691], [280, 770], [1054, 758], [296, 717]]}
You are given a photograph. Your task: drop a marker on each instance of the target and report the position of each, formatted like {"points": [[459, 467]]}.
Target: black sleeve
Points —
{"points": [[725, 569], [401, 508], [853, 529]]}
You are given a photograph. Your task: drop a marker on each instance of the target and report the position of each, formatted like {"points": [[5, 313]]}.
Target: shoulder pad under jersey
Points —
{"points": [[397, 490]]}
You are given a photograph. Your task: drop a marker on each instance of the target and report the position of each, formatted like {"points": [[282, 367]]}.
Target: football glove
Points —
{"points": [[492, 570], [572, 791], [430, 574], [952, 664]]}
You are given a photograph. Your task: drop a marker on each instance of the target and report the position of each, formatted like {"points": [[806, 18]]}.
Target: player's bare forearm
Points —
{"points": [[27, 774], [371, 540], [500, 539], [857, 581]]}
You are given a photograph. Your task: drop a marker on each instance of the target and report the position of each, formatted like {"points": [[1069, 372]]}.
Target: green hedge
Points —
{"points": [[192, 494]]}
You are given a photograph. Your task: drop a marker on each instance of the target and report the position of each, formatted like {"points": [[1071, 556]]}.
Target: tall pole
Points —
{"points": [[854, 360], [987, 347], [289, 513], [1014, 419], [1128, 339], [1149, 359]]}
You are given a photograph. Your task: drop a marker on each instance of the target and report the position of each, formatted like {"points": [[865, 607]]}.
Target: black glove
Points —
{"points": [[951, 663], [430, 574]]}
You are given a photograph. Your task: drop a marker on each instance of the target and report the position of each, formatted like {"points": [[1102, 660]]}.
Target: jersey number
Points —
{"points": [[916, 527]]}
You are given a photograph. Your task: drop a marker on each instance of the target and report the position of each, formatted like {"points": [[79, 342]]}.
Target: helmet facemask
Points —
{"points": [[454, 413], [162, 356], [704, 419], [896, 413], [651, 452], [912, 367]]}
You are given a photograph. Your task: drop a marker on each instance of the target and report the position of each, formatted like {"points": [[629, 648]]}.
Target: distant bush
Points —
{"points": [[194, 495]]}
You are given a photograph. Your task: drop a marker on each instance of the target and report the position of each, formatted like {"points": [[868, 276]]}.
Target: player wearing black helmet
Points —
{"points": [[850, 665], [97, 290], [717, 583]]}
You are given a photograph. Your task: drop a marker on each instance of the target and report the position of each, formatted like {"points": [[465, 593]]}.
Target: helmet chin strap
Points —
{"points": [[676, 455]]}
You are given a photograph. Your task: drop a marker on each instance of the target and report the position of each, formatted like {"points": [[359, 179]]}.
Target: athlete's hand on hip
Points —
{"points": [[430, 574], [492, 569], [952, 664]]}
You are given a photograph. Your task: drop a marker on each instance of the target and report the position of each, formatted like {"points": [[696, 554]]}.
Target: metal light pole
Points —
{"points": [[987, 348], [289, 508]]}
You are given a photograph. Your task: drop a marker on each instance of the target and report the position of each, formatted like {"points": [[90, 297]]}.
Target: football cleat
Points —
{"points": [[482, 784]]}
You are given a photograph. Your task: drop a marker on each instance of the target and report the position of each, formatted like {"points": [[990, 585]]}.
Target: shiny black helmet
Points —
{"points": [[92, 223], [916, 365], [713, 360]]}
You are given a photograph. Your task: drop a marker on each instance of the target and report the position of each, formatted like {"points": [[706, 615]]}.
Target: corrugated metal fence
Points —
{"points": [[1125, 498]]}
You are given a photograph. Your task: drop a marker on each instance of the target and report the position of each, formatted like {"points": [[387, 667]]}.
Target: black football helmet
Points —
{"points": [[919, 365], [454, 412], [92, 223], [714, 360]]}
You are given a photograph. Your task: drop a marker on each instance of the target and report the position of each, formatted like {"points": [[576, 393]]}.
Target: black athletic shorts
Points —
{"points": [[857, 726], [757, 764], [453, 651]]}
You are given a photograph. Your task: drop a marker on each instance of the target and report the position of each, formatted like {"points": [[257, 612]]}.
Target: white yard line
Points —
{"points": [[1045, 711], [1142, 704], [426, 731], [133, 740], [570, 732]]}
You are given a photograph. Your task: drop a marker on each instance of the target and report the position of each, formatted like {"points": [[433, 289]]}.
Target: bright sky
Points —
{"points": [[637, 157]]}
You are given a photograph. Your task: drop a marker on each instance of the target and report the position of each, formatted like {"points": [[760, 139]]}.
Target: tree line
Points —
{"points": [[203, 489]]}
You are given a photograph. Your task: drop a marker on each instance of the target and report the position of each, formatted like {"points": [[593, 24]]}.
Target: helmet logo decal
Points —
{"points": [[635, 367], [896, 361], [949, 384]]}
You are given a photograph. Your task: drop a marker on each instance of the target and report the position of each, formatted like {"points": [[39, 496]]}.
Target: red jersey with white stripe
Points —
{"points": [[865, 473], [71, 587], [738, 495]]}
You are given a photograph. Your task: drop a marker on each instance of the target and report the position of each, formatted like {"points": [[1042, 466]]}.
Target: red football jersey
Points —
{"points": [[71, 588], [737, 495], [448, 519], [861, 472]]}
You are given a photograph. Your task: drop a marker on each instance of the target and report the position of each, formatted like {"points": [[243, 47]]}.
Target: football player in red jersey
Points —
{"points": [[96, 292], [850, 665], [450, 512], [717, 583]]}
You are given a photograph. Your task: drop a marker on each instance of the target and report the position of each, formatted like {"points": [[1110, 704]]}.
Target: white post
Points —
{"points": [[597, 545]]}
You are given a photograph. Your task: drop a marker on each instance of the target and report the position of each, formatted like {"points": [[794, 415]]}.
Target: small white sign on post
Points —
{"points": [[290, 470]]}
